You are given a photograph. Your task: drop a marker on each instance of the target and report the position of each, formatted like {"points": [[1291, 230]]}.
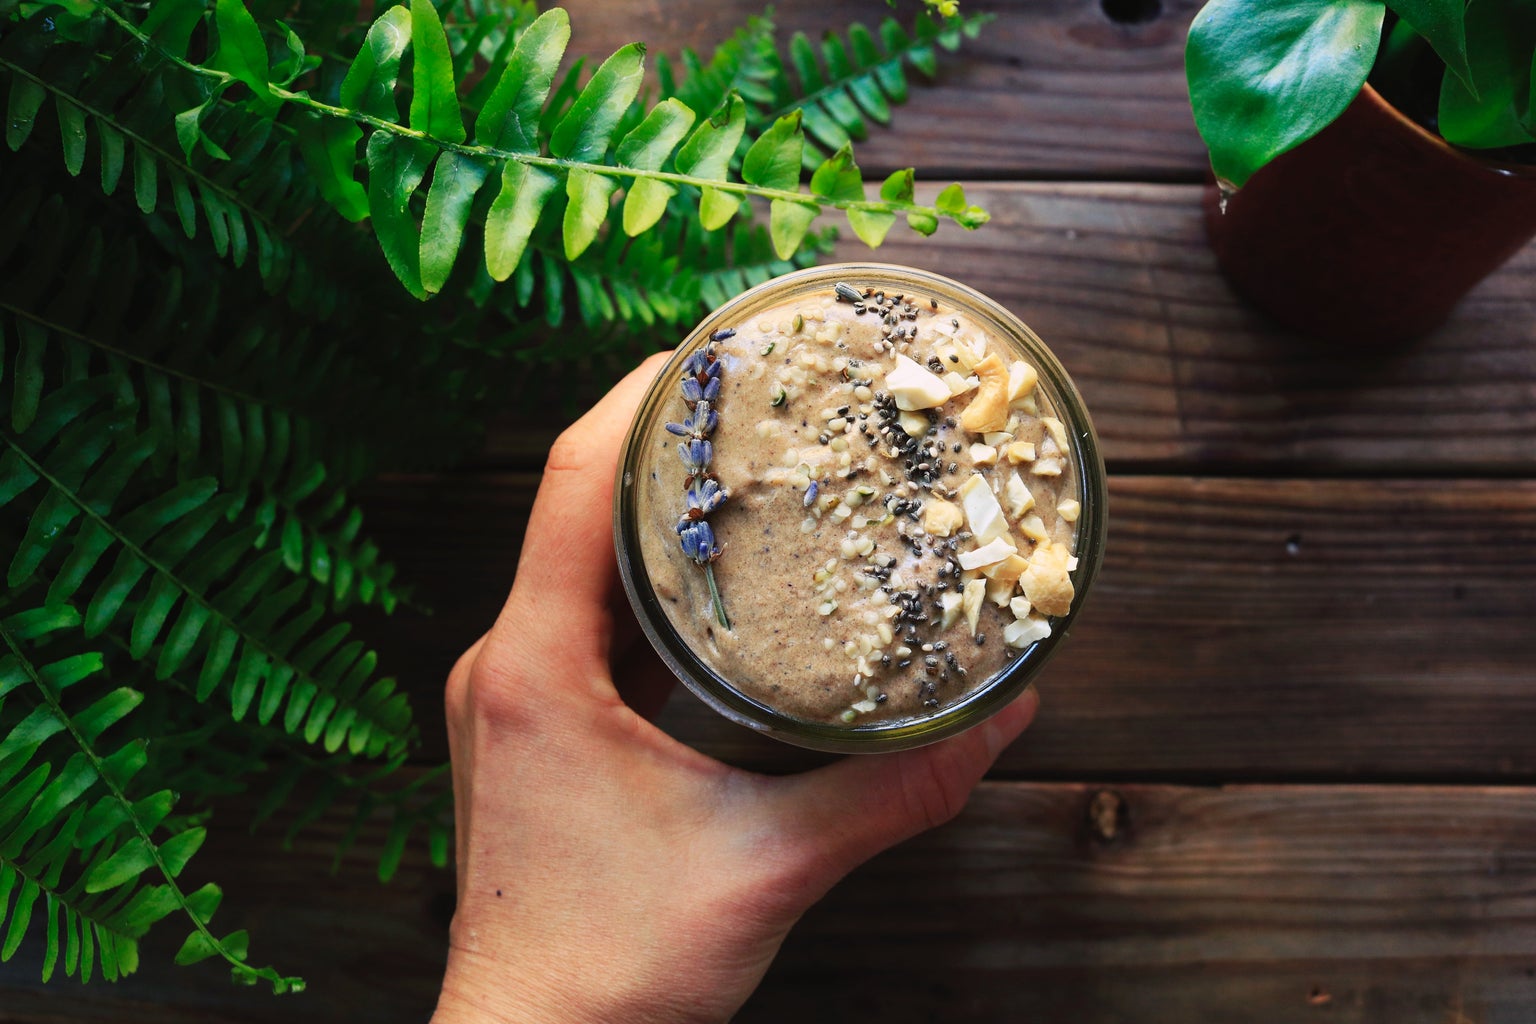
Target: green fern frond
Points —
{"points": [[194, 380], [181, 583], [211, 757], [747, 64], [423, 176], [63, 800], [838, 87], [134, 147]]}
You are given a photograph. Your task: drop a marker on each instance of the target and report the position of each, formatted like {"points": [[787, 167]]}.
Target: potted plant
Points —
{"points": [[1372, 161]]}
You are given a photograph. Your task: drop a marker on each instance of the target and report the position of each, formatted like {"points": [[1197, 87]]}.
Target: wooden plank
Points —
{"points": [[1360, 905], [1181, 376], [1240, 629], [1051, 89], [1240, 904]]}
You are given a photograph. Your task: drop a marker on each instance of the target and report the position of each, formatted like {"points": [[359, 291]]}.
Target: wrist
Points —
{"points": [[480, 991]]}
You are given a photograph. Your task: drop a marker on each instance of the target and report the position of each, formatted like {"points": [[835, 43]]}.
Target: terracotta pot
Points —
{"points": [[1370, 232]]}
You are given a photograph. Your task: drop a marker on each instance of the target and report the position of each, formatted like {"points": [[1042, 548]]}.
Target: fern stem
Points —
{"points": [[98, 765], [530, 159], [214, 613]]}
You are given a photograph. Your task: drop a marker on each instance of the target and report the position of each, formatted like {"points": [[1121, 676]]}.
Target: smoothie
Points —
{"points": [[862, 508]]}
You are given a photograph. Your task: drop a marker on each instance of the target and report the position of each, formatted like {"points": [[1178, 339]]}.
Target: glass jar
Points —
{"points": [[649, 439]]}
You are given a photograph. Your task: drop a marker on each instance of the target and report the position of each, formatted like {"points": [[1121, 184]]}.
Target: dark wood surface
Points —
{"points": [[1285, 768]]}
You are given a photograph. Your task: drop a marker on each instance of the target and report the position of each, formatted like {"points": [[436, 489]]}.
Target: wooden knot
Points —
{"points": [[1107, 815]]}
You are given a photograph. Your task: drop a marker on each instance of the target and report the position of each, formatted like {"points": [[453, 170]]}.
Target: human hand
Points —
{"points": [[607, 872]]}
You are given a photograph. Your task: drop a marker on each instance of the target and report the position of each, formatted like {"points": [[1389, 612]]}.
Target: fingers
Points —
{"points": [[567, 568], [849, 811]]}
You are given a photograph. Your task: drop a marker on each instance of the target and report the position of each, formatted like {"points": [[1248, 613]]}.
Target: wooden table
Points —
{"points": [[1285, 768]]}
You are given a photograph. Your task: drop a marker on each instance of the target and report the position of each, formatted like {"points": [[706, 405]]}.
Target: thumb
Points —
{"points": [[847, 812]]}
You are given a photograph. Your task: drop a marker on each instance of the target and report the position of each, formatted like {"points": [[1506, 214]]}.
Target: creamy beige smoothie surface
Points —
{"points": [[885, 499]]}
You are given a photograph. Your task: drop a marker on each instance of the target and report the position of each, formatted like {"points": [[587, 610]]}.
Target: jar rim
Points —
{"points": [[987, 697]]}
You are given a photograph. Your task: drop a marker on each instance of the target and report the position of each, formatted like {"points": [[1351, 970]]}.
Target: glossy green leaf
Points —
{"points": [[21, 109], [871, 225], [396, 166], [588, 195], [646, 148], [899, 187], [32, 730], [1444, 24], [242, 51], [788, 221], [838, 178], [330, 153], [170, 23], [177, 850], [111, 156], [128, 863], [106, 712], [370, 82], [524, 191], [773, 161], [456, 178], [72, 133], [197, 948], [434, 101], [707, 154], [1501, 48], [510, 118], [1263, 78], [583, 134]]}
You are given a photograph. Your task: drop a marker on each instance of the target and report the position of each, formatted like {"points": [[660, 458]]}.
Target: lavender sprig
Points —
{"points": [[703, 493]]}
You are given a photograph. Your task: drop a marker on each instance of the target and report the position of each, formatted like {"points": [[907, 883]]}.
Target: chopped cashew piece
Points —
{"points": [[1058, 431], [982, 511], [949, 602], [989, 409], [958, 356], [997, 438], [993, 551], [1034, 529], [1017, 495], [1025, 632], [957, 384], [914, 423], [1069, 510], [1046, 467], [942, 518], [914, 387], [1021, 380], [983, 455], [1020, 451], [1020, 607], [999, 591], [1046, 583], [971, 602], [1008, 570]]}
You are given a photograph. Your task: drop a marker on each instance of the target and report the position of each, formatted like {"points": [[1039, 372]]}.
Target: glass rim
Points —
{"points": [[965, 712]]}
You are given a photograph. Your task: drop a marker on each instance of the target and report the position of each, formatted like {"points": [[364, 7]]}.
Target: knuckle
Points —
{"points": [[569, 453]]}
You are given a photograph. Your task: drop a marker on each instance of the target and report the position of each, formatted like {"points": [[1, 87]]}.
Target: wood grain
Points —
{"points": [[1052, 88], [1240, 629], [1238, 904], [1181, 376], [1362, 905]]}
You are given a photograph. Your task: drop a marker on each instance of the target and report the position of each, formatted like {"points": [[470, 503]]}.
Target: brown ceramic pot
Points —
{"points": [[1370, 232]]}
